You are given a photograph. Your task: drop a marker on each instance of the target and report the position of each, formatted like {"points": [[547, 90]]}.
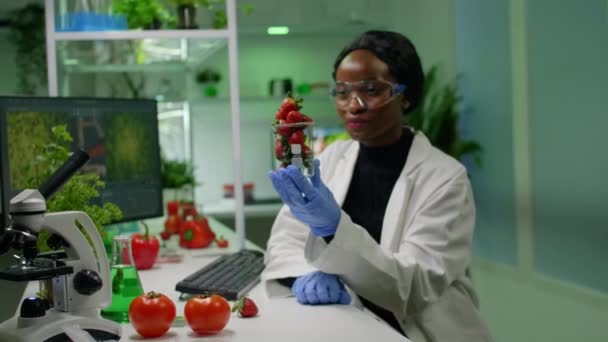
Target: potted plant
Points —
{"points": [[143, 14], [186, 12], [177, 176], [437, 116], [209, 79]]}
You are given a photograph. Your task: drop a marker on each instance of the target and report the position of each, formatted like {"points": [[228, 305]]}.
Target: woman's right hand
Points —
{"points": [[320, 288]]}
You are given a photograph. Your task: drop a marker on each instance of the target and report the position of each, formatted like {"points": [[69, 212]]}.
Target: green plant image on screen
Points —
{"points": [[129, 146], [38, 144], [28, 133]]}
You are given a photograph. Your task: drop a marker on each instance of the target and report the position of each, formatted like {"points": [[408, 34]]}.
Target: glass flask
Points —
{"points": [[292, 145], [125, 280]]}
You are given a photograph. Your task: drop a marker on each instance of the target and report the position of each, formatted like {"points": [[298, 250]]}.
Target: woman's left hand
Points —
{"points": [[310, 202]]}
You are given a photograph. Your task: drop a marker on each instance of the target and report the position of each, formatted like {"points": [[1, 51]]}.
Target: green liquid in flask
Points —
{"points": [[125, 287]]}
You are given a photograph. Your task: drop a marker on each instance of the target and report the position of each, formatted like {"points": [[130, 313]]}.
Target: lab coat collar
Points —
{"points": [[419, 151]]}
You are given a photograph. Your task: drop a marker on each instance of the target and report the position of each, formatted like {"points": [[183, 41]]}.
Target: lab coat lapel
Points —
{"points": [[396, 209]]}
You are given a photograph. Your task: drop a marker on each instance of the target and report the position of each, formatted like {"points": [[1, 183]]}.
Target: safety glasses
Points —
{"points": [[370, 94]]}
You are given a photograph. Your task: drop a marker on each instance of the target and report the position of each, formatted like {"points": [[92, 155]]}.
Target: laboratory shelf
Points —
{"points": [[139, 34]]}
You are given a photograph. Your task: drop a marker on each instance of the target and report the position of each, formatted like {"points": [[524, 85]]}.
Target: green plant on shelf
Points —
{"points": [[209, 79], [177, 174], [438, 117], [146, 14], [216, 8]]}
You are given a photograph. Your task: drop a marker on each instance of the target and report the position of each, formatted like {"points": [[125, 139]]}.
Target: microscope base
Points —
{"points": [[59, 326]]}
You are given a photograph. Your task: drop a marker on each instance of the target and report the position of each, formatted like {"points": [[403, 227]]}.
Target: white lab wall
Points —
{"points": [[432, 28]]}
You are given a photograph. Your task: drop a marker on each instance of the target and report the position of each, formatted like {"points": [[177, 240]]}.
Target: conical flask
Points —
{"points": [[125, 280]]}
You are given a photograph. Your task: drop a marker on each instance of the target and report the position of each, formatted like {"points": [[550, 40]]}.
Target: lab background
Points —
{"points": [[531, 76]]}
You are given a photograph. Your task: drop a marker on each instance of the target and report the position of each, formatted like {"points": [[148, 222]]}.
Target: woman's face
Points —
{"points": [[370, 126]]}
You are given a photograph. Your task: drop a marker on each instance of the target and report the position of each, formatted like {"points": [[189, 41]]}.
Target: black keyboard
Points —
{"points": [[231, 276]]}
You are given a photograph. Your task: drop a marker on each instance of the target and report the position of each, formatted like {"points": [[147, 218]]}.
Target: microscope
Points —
{"points": [[79, 276]]}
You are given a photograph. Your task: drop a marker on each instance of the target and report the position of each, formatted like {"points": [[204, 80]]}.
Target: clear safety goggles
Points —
{"points": [[370, 94]]}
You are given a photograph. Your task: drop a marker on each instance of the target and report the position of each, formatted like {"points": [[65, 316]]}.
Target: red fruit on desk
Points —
{"points": [[246, 307], [145, 249], [152, 314], [221, 242], [196, 234], [165, 235], [207, 314]]}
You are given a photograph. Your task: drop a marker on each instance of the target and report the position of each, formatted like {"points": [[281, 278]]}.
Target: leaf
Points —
{"points": [[77, 193], [438, 117]]}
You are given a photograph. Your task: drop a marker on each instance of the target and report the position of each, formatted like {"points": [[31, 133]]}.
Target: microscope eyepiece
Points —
{"points": [[65, 171]]}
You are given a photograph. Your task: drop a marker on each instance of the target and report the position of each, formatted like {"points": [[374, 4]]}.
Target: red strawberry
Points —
{"points": [[278, 149], [296, 137], [295, 117], [305, 151], [245, 307], [289, 104], [307, 118], [284, 131]]}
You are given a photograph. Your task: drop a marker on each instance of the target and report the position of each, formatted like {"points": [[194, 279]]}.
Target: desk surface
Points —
{"points": [[281, 319]]}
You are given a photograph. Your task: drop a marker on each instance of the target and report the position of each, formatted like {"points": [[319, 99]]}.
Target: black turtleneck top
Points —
{"points": [[375, 174]]}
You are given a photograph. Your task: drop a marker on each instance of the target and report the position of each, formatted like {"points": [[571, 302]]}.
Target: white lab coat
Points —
{"points": [[418, 269]]}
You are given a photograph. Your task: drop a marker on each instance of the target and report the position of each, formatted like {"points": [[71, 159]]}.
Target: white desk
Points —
{"points": [[279, 320]]}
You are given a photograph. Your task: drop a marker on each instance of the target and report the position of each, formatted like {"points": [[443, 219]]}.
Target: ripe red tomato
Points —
{"points": [[152, 314], [207, 314]]}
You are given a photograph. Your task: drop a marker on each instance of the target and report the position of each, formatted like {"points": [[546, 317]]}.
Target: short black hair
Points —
{"points": [[399, 54]]}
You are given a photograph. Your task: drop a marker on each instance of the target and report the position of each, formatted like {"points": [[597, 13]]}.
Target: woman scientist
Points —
{"points": [[385, 213]]}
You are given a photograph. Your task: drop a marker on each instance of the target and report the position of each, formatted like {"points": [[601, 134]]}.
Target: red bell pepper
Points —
{"points": [[196, 234], [145, 249]]}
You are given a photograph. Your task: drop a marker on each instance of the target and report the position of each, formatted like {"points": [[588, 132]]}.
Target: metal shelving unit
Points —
{"points": [[229, 35]]}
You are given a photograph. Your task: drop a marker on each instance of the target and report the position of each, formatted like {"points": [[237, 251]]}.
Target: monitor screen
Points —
{"points": [[121, 137]]}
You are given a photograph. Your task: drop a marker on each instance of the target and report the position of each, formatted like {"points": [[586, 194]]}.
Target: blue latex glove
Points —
{"points": [[320, 288], [310, 202]]}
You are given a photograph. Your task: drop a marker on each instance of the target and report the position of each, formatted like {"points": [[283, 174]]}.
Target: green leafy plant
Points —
{"points": [[76, 192], [143, 13], [217, 9], [177, 174], [437, 116], [208, 76], [27, 33]]}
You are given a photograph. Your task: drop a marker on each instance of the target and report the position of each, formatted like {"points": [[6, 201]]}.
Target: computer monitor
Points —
{"points": [[120, 135]]}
